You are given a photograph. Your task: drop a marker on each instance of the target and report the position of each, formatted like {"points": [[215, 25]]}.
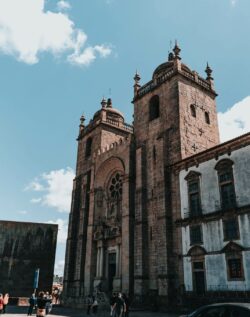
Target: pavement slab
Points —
{"points": [[21, 311]]}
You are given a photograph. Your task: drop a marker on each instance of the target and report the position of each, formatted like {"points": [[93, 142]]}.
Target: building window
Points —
{"points": [[207, 119], [154, 108], [88, 147], [115, 187], [196, 234], [193, 184], [115, 196], [193, 110], [226, 184], [197, 254], [194, 198], [231, 230], [235, 268]]}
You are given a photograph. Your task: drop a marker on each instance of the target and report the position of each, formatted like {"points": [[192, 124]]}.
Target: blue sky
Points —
{"points": [[59, 58]]}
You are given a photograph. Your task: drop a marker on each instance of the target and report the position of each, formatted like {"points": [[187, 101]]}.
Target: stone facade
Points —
{"points": [[126, 203], [25, 247]]}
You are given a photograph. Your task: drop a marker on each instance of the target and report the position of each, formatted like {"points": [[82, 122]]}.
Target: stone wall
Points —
{"points": [[24, 247]]}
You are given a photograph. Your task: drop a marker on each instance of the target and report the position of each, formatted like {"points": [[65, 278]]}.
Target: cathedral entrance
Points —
{"points": [[111, 269]]}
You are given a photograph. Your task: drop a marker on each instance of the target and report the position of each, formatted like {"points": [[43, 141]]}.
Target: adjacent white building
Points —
{"points": [[215, 218]]}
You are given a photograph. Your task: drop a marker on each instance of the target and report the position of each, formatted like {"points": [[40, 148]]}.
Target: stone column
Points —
{"points": [[101, 262], [141, 225], [126, 254], [117, 273], [90, 247], [98, 263]]}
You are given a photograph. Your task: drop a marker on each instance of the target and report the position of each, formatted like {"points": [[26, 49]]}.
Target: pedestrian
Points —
{"points": [[127, 304], [89, 302], [5, 302], [32, 303], [41, 304], [48, 306], [112, 304], [94, 305], [120, 306], [1, 303]]}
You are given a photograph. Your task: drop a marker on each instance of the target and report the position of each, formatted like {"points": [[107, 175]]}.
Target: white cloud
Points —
{"points": [[35, 186], [63, 5], [235, 120], [28, 30], [62, 230], [59, 267], [88, 55], [35, 200], [23, 212], [233, 2], [56, 187]]}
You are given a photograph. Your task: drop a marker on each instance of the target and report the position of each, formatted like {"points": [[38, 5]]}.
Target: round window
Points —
{"points": [[115, 187]]}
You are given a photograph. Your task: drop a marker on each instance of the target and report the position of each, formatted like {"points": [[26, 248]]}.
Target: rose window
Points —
{"points": [[115, 187]]}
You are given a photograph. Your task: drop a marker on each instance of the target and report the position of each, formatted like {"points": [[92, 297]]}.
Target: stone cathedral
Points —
{"points": [[122, 232]]}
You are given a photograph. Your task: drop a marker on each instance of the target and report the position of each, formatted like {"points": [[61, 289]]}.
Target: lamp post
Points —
{"points": [[36, 280]]}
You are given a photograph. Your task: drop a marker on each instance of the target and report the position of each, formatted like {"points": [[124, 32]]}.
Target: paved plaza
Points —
{"points": [[14, 311]]}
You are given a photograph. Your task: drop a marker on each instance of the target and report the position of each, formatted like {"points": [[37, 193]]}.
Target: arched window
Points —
{"points": [[207, 119], [115, 195], [194, 196], [88, 147], [154, 108], [226, 183], [193, 110], [233, 256]]}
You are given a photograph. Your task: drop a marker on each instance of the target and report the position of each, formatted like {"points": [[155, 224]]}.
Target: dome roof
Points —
{"points": [[111, 113], [164, 67]]}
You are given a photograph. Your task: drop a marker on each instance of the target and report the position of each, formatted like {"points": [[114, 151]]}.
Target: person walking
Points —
{"points": [[127, 304], [1, 303], [112, 304], [94, 305], [5, 302], [120, 306], [48, 306], [41, 305], [89, 302], [32, 302]]}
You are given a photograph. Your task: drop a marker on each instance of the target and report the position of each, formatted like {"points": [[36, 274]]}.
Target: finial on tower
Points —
{"points": [[137, 85], [170, 56], [104, 102], [209, 71], [109, 103], [137, 77], [82, 119], [176, 50]]}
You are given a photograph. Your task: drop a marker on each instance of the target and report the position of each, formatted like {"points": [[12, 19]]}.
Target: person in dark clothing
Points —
{"points": [[126, 301], [112, 304], [94, 305], [5, 302], [32, 302], [41, 305], [120, 306], [89, 302], [1, 303]]}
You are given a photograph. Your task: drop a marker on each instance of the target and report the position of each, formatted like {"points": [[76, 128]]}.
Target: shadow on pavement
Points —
{"points": [[69, 312], [56, 311]]}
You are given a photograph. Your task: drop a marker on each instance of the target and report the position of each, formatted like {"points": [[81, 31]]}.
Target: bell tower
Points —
{"points": [[174, 117]]}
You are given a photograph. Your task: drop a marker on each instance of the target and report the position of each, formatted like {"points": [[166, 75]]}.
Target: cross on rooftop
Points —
{"points": [[201, 131], [194, 147]]}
